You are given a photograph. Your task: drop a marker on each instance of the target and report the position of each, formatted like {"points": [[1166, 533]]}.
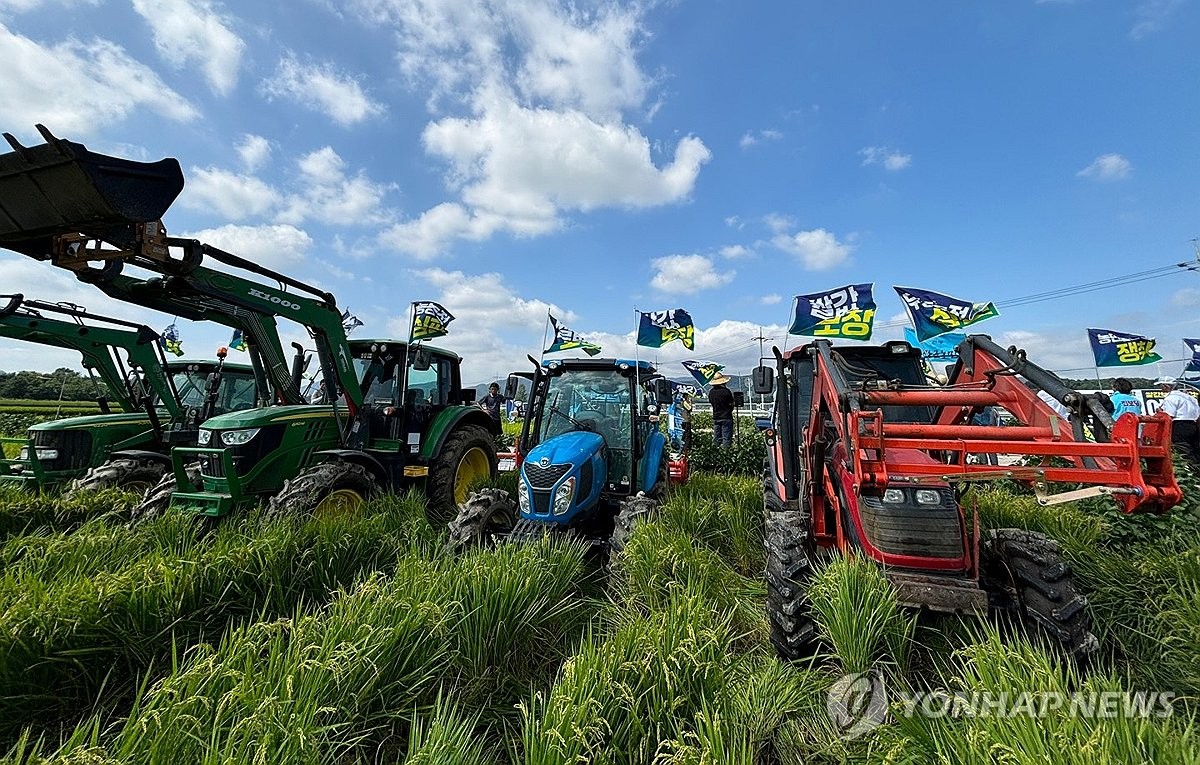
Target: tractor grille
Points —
{"points": [[544, 477], [541, 502], [929, 531], [74, 447]]}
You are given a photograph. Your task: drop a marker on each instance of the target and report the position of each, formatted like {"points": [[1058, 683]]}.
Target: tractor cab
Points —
{"points": [[405, 388]]}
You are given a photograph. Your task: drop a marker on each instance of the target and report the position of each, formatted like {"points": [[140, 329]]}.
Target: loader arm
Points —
{"points": [[28, 320]]}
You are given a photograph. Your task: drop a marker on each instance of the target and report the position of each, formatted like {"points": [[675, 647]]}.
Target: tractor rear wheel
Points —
{"points": [[158, 499], [789, 571], [1024, 572], [467, 458], [634, 512], [486, 515], [130, 474], [325, 490]]}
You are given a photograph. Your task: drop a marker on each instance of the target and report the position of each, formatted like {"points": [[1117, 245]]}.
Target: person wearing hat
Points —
{"points": [[720, 398], [1183, 411]]}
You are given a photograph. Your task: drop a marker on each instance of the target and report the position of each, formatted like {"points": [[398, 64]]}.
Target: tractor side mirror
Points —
{"points": [[739, 398], [422, 359], [467, 395], [662, 391], [512, 386], [764, 380]]}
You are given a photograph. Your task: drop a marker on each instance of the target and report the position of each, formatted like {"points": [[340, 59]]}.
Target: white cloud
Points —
{"points": [[1152, 16], [24, 6], [232, 196], [193, 32], [273, 246], [736, 251], [735, 222], [322, 88], [778, 223], [752, 138], [254, 151], [332, 196], [687, 274], [891, 159], [818, 250], [1107, 167], [1188, 297], [77, 87], [770, 299]]}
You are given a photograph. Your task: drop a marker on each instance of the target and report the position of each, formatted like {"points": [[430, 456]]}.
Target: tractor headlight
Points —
{"points": [[928, 497], [523, 498], [564, 495], [238, 437], [205, 437], [42, 454], [893, 496]]}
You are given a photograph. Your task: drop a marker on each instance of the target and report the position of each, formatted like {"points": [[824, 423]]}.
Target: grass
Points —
{"points": [[361, 641]]}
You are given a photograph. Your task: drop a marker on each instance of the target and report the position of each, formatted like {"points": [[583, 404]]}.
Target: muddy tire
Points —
{"points": [[468, 456], [137, 475], [482, 519], [158, 499], [326, 489], [634, 512], [789, 573], [1025, 574]]}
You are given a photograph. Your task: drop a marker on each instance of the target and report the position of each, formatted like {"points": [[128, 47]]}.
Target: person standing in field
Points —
{"points": [[1183, 410], [1123, 399], [720, 398]]}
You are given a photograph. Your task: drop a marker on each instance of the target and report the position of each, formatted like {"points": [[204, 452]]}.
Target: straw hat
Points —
{"points": [[719, 380], [1166, 381]]}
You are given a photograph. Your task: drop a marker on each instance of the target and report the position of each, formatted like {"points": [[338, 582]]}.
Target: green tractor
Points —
{"points": [[161, 401], [391, 415]]}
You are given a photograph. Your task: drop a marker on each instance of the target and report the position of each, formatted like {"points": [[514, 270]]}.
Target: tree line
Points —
{"points": [[63, 383]]}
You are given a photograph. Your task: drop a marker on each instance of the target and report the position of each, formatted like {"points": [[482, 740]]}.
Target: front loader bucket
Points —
{"points": [[61, 188]]}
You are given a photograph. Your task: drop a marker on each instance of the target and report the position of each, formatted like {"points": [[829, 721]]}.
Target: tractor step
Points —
{"points": [[938, 593]]}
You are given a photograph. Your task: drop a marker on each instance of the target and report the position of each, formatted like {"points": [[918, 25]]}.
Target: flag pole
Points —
{"points": [[637, 364], [545, 334]]}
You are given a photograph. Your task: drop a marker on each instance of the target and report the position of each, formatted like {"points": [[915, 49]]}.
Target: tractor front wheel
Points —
{"points": [[325, 490], [158, 499], [1024, 572], [634, 512], [789, 571], [136, 475], [487, 515], [467, 458]]}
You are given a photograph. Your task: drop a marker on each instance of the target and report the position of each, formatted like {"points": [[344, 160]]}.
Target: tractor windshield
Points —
{"points": [[593, 400], [237, 390]]}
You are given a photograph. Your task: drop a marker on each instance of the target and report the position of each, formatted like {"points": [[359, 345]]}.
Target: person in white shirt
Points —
{"points": [[1184, 411]]}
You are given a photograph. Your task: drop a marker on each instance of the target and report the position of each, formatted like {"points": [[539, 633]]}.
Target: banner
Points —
{"points": [[1121, 349], [169, 340], [933, 313], [657, 328], [351, 322], [703, 371], [429, 320], [238, 341], [942, 349], [569, 340], [843, 312], [1193, 349]]}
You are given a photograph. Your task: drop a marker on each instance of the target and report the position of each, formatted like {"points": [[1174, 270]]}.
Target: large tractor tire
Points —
{"points": [[633, 513], [467, 457], [158, 499], [130, 474], [325, 490], [1025, 573], [487, 515], [789, 572]]}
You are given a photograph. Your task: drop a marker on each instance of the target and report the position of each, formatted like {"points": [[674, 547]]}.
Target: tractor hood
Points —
{"points": [[257, 418], [566, 449], [90, 421]]}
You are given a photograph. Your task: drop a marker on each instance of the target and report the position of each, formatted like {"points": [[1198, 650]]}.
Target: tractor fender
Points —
{"points": [[451, 419], [656, 446], [141, 454], [358, 458]]}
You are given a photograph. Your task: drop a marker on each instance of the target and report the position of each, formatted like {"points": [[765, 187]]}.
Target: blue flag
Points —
{"points": [[566, 339], [942, 349], [350, 322], [657, 328], [430, 320], [704, 371], [843, 312], [1121, 349], [238, 341], [933, 313], [1193, 348], [169, 340]]}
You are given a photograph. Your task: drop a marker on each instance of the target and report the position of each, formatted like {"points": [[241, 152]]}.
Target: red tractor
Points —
{"points": [[866, 457]]}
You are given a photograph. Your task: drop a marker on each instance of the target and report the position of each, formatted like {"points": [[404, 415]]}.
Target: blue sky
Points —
{"points": [[505, 156]]}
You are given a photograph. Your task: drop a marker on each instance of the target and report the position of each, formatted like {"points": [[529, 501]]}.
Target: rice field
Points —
{"points": [[357, 639]]}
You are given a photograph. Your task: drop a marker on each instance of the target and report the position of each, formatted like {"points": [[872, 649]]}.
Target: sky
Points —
{"points": [[507, 158]]}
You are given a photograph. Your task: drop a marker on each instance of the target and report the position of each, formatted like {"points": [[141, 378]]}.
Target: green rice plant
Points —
{"points": [[1001, 508], [446, 737], [620, 695], [856, 610], [77, 642], [724, 514], [24, 512], [1043, 716]]}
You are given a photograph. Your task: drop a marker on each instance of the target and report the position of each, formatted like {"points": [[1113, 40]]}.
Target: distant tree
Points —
{"points": [[62, 382]]}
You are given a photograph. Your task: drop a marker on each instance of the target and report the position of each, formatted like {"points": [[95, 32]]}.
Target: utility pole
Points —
{"points": [[759, 337]]}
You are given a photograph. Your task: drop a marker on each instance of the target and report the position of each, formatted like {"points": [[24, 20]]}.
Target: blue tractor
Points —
{"points": [[593, 463]]}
